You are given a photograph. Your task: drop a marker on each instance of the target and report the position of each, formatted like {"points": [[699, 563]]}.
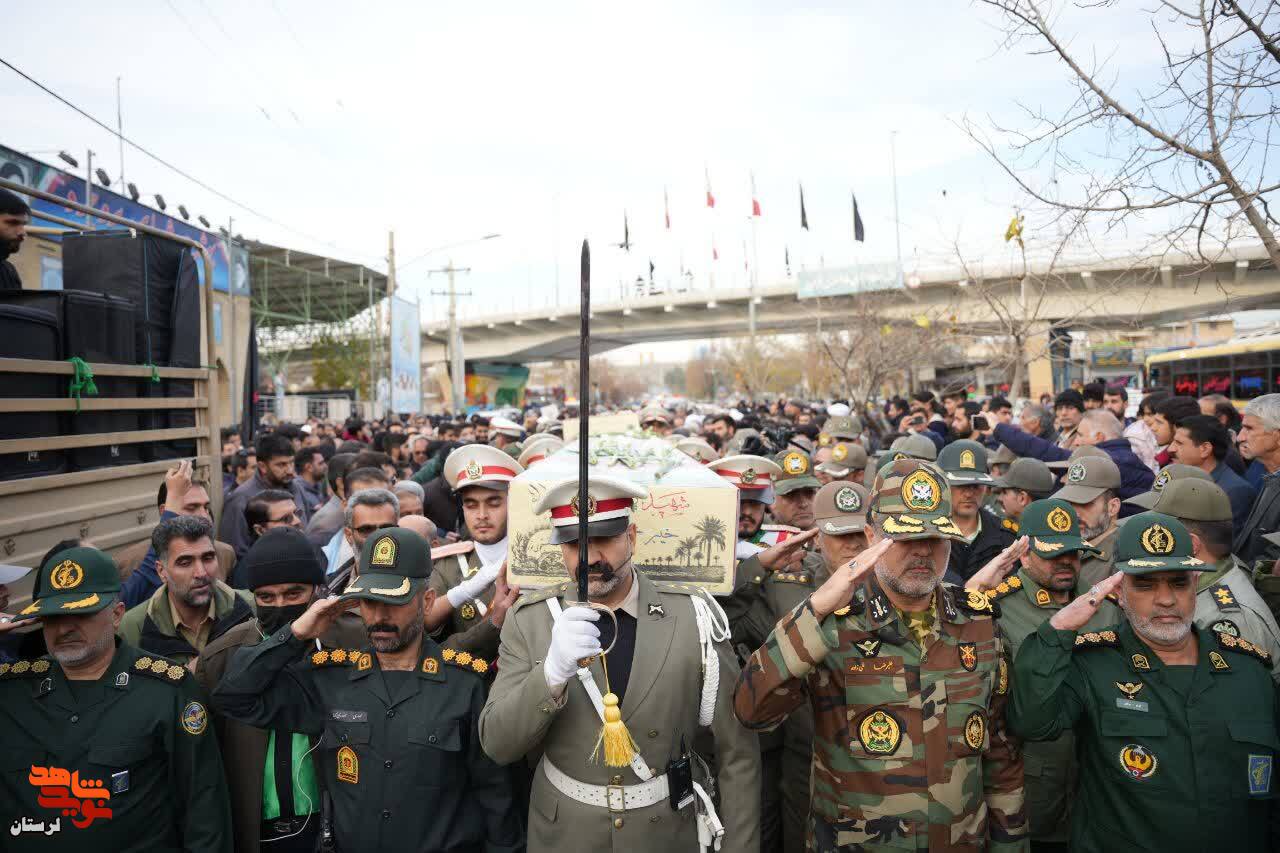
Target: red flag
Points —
{"points": [[755, 201], [711, 200], [666, 209]]}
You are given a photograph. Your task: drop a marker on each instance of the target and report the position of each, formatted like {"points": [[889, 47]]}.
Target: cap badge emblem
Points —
{"points": [[748, 476], [591, 506], [1157, 539], [795, 464], [66, 575], [880, 733], [1059, 520], [1138, 761], [840, 452], [921, 492], [1162, 480], [1076, 472], [967, 459], [847, 500], [384, 552], [474, 471]]}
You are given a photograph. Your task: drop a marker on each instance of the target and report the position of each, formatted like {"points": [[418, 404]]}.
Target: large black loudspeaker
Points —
{"points": [[159, 277], [27, 332]]}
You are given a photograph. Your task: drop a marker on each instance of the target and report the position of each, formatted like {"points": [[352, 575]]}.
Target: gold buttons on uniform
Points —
{"points": [[653, 732], [617, 823], [616, 780]]}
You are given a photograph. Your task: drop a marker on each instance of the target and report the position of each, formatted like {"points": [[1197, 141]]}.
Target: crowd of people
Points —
{"points": [[956, 624]]}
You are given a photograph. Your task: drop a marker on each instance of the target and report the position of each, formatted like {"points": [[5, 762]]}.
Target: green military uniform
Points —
{"points": [[467, 629], [1171, 757], [148, 772], [1049, 766], [399, 751], [910, 746]]}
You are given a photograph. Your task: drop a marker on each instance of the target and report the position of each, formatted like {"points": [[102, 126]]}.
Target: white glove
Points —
{"points": [[746, 550], [572, 638], [473, 586]]}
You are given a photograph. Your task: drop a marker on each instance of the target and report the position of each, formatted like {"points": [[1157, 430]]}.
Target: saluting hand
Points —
{"points": [[1000, 566], [1074, 616], [503, 597], [318, 618], [787, 553], [838, 589], [176, 483]]}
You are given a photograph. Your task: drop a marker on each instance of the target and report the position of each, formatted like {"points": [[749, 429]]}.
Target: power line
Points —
{"points": [[170, 166]]}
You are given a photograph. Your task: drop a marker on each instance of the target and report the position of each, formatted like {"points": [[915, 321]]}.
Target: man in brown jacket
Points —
{"points": [[275, 795]]}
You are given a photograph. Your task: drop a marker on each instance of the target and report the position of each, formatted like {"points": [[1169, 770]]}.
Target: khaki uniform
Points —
{"points": [[1097, 569], [468, 629], [659, 707], [1228, 603]]}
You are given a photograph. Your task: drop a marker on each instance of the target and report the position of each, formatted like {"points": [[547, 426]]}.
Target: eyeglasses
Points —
{"points": [[284, 519], [367, 530]]}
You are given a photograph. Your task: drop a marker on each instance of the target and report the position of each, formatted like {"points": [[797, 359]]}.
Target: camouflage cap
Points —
{"points": [[1003, 456], [1192, 499], [1030, 475], [1154, 542], [74, 582], [1165, 476], [1053, 529], [915, 446], [912, 500], [1088, 477], [394, 564], [840, 508], [797, 473], [1081, 451], [965, 463]]}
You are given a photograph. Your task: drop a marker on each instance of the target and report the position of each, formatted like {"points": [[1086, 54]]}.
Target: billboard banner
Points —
{"points": [[492, 386], [406, 357], [844, 281], [23, 170]]}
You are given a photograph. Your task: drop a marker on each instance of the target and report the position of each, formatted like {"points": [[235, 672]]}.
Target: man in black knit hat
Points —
{"points": [[274, 801]]}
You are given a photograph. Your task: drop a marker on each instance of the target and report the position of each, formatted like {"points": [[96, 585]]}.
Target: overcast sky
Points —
{"points": [[545, 122]]}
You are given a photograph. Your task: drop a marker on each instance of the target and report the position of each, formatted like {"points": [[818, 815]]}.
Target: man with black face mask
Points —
{"points": [[272, 799]]}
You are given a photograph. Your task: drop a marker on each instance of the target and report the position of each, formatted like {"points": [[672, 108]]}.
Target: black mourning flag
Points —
{"points": [[859, 233], [804, 217]]}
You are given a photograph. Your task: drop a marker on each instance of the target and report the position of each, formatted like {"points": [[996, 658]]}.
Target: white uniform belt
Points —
{"points": [[615, 798]]}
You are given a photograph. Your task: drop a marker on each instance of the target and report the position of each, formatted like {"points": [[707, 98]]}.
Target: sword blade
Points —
{"points": [[584, 411]]}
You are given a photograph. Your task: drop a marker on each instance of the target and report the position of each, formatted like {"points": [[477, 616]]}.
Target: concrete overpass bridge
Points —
{"points": [[1119, 293]]}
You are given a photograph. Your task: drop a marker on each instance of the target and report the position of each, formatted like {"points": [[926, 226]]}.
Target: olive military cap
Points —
{"points": [[840, 508], [1088, 477], [394, 564], [797, 473], [914, 445], [74, 582], [1003, 456], [1154, 542], [846, 456], [1053, 529], [1030, 475], [965, 463], [911, 500], [1192, 499], [1080, 452], [1166, 475]]}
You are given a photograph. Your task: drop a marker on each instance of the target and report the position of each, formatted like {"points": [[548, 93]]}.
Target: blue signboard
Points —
{"points": [[21, 169]]}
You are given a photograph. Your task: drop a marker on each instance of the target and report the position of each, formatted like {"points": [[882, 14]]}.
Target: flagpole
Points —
{"points": [[897, 228]]}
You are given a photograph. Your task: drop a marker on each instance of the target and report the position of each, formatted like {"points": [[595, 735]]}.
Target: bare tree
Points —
{"points": [[1196, 148]]}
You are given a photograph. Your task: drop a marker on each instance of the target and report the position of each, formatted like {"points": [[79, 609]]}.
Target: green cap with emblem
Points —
{"points": [[1088, 477], [797, 473], [1053, 529], [915, 446], [965, 463], [911, 500], [1193, 499], [1154, 542], [394, 564], [74, 582], [1166, 475], [840, 508]]}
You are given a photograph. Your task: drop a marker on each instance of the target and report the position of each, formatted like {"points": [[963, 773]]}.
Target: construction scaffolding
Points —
{"points": [[324, 311]]}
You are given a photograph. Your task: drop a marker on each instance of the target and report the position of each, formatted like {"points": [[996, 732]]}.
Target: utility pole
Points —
{"points": [[120, 131], [231, 299], [897, 226], [456, 362], [88, 189]]}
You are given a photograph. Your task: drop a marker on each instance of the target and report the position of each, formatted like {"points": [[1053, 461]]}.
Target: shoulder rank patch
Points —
{"points": [[1225, 626], [465, 660], [334, 657], [160, 668], [1005, 588], [1009, 524], [537, 595], [976, 603], [678, 588], [792, 577], [26, 668], [1239, 644], [1223, 598], [1096, 639]]}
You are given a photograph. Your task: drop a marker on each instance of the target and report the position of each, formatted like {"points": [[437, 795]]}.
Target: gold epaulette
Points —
{"points": [[336, 657], [1239, 644], [161, 668], [1004, 588], [1009, 524], [976, 603], [21, 668], [1095, 639], [793, 577], [465, 660]]}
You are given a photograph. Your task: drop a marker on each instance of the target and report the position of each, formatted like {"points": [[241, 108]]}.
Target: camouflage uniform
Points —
{"points": [[910, 745]]}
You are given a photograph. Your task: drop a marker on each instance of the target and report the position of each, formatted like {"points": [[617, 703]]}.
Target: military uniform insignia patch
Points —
{"points": [[840, 452], [1226, 626], [194, 718], [656, 610], [967, 459], [1076, 472], [366, 661], [1218, 661], [1138, 762], [319, 658], [384, 552], [474, 471], [21, 667], [1130, 689], [1260, 774], [66, 575], [348, 766], [975, 730], [40, 666], [430, 666], [1059, 520], [977, 601], [1043, 598], [795, 463], [848, 500], [968, 656], [880, 733], [1222, 596], [338, 656], [879, 607], [1002, 677], [1140, 662], [869, 647], [921, 492], [1157, 539], [468, 611]]}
